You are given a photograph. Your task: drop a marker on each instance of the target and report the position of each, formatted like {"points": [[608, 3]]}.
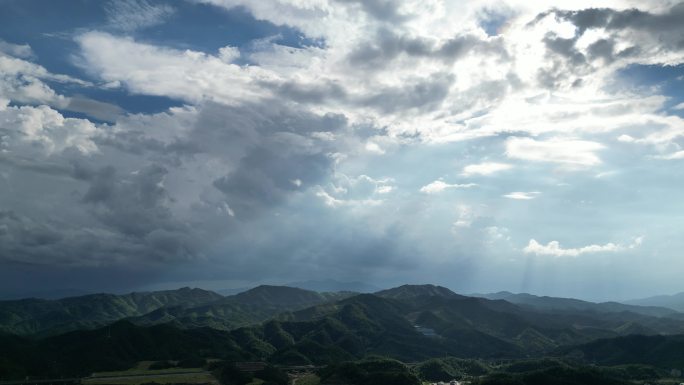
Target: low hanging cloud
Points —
{"points": [[555, 249], [439, 186]]}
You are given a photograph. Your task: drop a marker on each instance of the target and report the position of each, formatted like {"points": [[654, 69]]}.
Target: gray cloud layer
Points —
{"points": [[411, 146]]}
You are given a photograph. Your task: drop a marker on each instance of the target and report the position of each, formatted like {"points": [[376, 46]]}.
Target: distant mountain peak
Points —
{"points": [[412, 291], [277, 295]]}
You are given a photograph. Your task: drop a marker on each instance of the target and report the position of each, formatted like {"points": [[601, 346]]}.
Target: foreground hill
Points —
{"points": [[115, 347], [39, 316], [659, 351]]}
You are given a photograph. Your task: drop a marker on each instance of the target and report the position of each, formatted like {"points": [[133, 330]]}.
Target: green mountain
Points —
{"points": [[186, 308], [409, 323], [39, 317], [414, 291], [243, 309], [284, 297]]}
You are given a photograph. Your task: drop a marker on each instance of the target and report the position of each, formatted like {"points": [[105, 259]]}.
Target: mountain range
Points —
{"points": [[293, 326]]}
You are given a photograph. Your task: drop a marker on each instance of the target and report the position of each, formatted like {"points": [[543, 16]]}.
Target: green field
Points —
{"points": [[138, 375], [309, 379]]}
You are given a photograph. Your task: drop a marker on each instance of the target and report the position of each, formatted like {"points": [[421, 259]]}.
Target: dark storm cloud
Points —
{"points": [[116, 208], [279, 156], [388, 46], [52, 241], [134, 205], [264, 178], [296, 246]]}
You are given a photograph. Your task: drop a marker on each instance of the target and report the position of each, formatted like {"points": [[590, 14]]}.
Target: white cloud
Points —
{"points": [[228, 54], [31, 128], [554, 248], [384, 189], [520, 195], [333, 202], [224, 208], [374, 148], [187, 75], [673, 156], [130, 15], [439, 186], [679, 106], [573, 152], [487, 168], [24, 82], [359, 191], [23, 51]]}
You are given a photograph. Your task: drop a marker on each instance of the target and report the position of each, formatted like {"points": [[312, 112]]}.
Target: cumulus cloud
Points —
{"points": [[486, 168], [554, 249], [187, 75], [28, 128]]}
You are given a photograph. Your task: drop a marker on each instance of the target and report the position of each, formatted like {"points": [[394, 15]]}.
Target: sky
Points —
{"points": [[528, 146]]}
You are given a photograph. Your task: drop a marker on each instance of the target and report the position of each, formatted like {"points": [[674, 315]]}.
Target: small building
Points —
{"points": [[250, 366]]}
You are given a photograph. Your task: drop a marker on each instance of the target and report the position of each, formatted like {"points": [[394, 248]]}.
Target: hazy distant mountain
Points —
{"points": [[49, 294], [39, 316], [674, 301], [571, 304], [331, 285]]}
